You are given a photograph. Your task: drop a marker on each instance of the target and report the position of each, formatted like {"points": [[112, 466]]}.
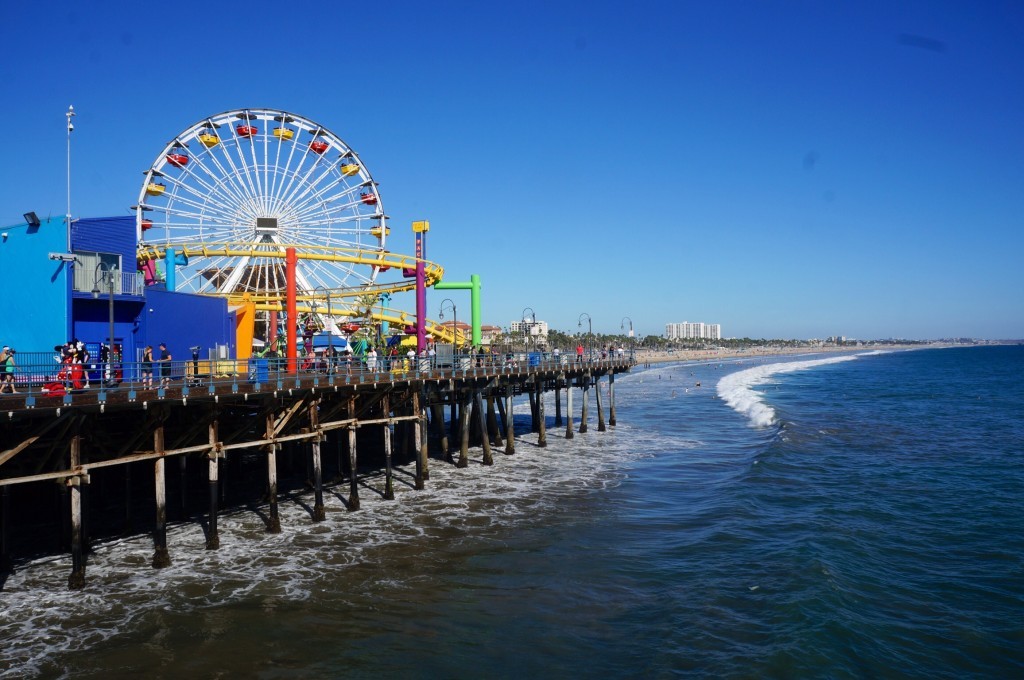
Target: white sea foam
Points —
{"points": [[737, 389], [40, 618]]}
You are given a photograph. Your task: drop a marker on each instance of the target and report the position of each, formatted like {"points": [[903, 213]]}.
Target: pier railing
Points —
{"points": [[40, 375]]}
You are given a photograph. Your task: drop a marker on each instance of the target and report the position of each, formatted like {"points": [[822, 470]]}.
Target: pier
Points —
{"points": [[241, 423]]}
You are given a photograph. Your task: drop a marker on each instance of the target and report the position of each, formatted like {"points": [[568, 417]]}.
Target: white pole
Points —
{"points": [[71, 127]]}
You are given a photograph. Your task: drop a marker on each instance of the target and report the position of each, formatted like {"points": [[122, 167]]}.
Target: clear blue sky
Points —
{"points": [[786, 169]]}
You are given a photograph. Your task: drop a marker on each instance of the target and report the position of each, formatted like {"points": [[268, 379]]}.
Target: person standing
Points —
{"points": [[165, 365], [371, 360], [579, 352], [147, 367]]}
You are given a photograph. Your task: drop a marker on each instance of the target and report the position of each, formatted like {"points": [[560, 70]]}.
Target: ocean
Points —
{"points": [[848, 516]]}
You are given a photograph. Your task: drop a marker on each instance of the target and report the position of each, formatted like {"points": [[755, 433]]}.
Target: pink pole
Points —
{"points": [[290, 261]]}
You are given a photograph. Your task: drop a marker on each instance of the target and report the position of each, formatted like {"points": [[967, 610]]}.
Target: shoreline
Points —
{"points": [[656, 357]]}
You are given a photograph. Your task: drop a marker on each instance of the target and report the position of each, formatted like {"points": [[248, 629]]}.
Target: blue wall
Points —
{"points": [[183, 320], [34, 290], [106, 235]]}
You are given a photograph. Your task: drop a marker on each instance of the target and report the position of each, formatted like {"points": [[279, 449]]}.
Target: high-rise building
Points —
{"points": [[697, 330]]}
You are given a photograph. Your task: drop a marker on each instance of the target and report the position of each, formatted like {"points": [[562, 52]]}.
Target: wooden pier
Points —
{"points": [[77, 442]]}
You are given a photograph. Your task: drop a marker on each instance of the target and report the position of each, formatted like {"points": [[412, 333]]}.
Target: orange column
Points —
{"points": [[290, 260]]}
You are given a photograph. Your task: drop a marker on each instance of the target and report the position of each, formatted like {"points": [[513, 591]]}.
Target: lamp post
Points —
{"points": [[632, 339], [533, 322], [455, 315], [330, 334], [106, 273], [590, 333], [71, 127]]}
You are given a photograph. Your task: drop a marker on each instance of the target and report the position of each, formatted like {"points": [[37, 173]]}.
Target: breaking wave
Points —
{"points": [[737, 389]]}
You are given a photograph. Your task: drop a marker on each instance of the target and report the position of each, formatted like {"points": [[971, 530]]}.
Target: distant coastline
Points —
{"points": [[657, 356]]}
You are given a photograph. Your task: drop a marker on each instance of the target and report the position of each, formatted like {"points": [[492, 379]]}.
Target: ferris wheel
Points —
{"points": [[261, 180]]}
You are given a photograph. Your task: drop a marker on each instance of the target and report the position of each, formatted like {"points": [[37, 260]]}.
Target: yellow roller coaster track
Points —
{"points": [[274, 300]]}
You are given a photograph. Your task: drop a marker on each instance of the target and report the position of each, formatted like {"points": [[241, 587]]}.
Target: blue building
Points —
{"points": [[52, 293]]}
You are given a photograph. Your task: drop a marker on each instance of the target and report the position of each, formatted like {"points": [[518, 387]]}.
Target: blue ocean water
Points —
{"points": [[851, 516]]}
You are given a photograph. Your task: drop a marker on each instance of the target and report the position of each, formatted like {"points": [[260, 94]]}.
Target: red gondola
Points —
{"points": [[409, 272], [350, 327], [246, 131], [178, 160], [147, 224], [368, 198], [318, 146]]}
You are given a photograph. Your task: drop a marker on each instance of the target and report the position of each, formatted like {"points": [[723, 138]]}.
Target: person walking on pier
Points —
{"points": [[7, 370], [165, 366], [579, 353]]}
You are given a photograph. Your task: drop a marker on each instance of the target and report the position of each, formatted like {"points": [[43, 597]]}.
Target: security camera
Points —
{"points": [[63, 257], [195, 349]]}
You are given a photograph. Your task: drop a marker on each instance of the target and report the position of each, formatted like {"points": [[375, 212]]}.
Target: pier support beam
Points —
{"points": [[611, 399], [161, 558], [569, 434], [419, 430], [510, 428], [77, 579], [274, 518], [5, 517], [542, 436], [558, 401], [484, 439], [597, 399], [502, 412], [213, 462], [532, 394], [318, 474], [389, 482], [442, 432], [463, 433], [183, 483], [586, 402], [493, 431]]}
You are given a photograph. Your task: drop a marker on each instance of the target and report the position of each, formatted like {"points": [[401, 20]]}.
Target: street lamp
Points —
{"points": [[590, 333], [330, 333], [106, 273], [455, 315], [632, 339], [533, 316]]}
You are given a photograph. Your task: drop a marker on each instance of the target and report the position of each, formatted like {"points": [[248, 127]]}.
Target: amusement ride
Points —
{"points": [[229, 197]]}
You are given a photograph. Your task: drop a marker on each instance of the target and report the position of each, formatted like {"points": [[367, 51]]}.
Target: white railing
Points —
{"points": [[85, 278]]}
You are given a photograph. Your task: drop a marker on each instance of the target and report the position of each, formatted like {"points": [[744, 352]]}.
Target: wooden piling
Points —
{"points": [[611, 399], [389, 482], [318, 475], [542, 436], [531, 393], [274, 517], [5, 550], [442, 431], [419, 430], [569, 434], [77, 579], [213, 464], [502, 413], [510, 428], [353, 490], [586, 402], [478, 407], [597, 399], [493, 431], [558, 401], [463, 433], [161, 558]]}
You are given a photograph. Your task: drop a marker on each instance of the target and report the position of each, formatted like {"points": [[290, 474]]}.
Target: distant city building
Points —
{"points": [[489, 333], [697, 330], [537, 329]]}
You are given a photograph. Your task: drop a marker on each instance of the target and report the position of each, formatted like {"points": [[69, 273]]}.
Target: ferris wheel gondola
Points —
{"points": [[267, 179]]}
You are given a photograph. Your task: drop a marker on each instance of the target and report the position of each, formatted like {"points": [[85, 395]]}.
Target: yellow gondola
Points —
{"points": [[155, 189], [209, 140], [349, 169], [284, 133], [378, 231]]}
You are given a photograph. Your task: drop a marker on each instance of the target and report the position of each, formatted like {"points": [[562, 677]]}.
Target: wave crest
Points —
{"points": [[737, 389]]}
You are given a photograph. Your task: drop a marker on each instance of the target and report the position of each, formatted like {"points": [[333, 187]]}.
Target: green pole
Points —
{"points": [[473, 286]]}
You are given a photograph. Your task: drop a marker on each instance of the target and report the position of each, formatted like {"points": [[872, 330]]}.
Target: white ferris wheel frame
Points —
{"points": [[267, 190]]}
